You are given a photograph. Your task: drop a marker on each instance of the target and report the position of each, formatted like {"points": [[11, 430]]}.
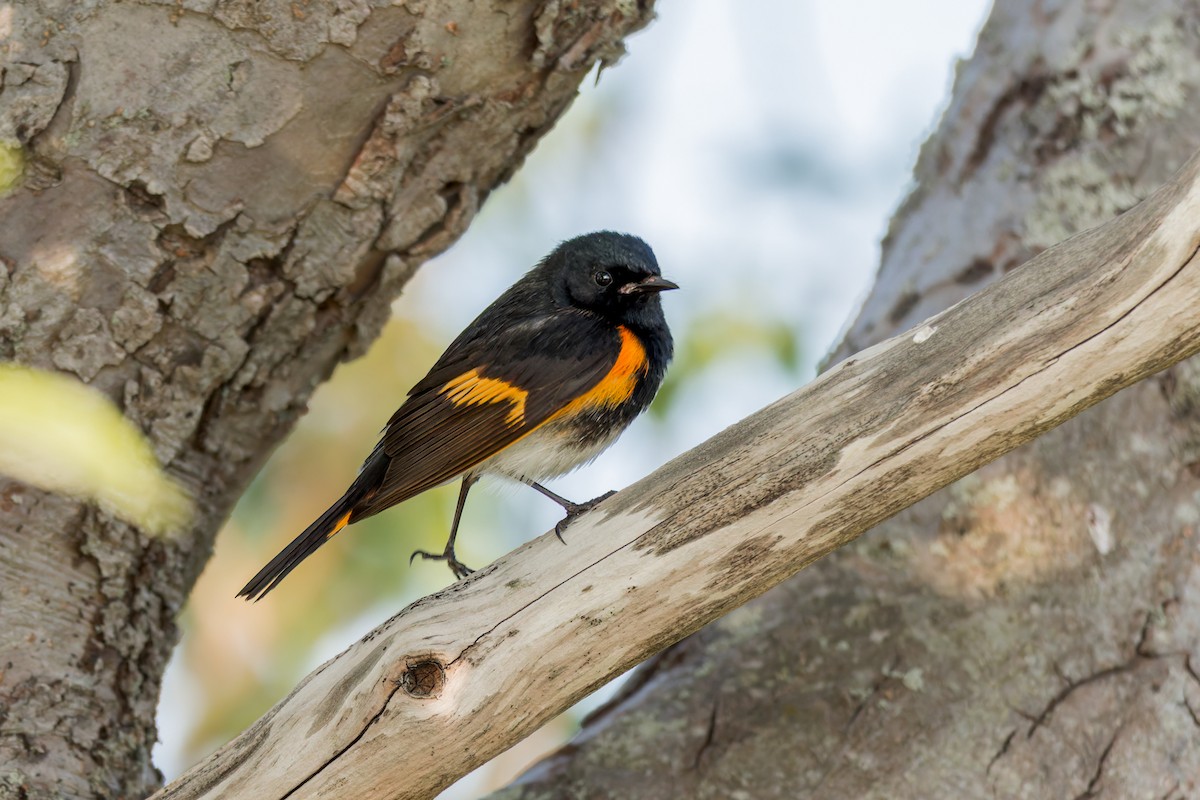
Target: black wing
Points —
{"points": [[485, 394]]}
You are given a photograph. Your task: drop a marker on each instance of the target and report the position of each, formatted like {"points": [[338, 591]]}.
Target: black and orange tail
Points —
{"points": [[304, 545], [336, 517]]}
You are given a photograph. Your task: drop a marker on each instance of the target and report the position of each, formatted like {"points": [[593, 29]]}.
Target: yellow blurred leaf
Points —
{"points": [[60, 435], [12, 164]]}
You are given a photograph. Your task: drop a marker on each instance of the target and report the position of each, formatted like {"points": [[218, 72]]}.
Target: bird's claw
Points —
{"points": [[575, 509], [459, 569]]}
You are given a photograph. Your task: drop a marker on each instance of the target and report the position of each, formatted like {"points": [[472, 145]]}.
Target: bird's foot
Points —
{"points": [[459, 569], [574, 510]]}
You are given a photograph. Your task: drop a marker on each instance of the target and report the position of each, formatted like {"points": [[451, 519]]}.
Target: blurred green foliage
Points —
{"points": [[12, 165], [723, 333]]}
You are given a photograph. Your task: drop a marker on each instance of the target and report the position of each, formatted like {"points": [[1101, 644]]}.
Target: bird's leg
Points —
{"points": [[573, 509], [459, 569]]}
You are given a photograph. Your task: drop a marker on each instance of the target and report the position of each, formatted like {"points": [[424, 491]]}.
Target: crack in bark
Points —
{"points": [[1191, 712], [1030, 90], [1002, 751], [839, 757], [1070, 688], [1184, 262], [1140, 647], [1191, 672], [709, 734], [1090, 791], [1187, 665], [873, 692], [341, 752]]}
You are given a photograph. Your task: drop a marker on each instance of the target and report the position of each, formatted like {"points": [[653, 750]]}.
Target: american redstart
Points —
{"points": [[540, 383]]}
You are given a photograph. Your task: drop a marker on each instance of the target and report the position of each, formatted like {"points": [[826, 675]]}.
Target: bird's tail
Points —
{"points": [[336, 517], [304, 545]]}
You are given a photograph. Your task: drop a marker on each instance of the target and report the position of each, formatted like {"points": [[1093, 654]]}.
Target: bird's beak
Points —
{"points": [[655, 283]]}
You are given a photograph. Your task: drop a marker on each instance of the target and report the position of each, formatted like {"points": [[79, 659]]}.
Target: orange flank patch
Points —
{"points": [[471, 389], [617, 386], [341, 523]]}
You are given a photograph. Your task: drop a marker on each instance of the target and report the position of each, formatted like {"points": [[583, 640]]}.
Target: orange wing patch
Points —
{"points": [[617, 386], [341, 523], [470, 389]]}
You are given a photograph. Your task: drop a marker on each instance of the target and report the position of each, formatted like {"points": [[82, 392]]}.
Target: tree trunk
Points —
{"points": [[220, 202], [1034, 629]]}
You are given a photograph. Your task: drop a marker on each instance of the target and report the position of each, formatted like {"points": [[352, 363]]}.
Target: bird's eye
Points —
{"points": [[602, 278]]}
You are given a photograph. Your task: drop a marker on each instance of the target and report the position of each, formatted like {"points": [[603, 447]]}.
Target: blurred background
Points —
{"points": [[760, 149]]}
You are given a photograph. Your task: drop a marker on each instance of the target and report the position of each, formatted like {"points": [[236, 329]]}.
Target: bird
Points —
{"points": [[540, 383]]}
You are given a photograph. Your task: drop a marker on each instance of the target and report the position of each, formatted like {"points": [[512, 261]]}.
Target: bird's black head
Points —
{"points": [[612, 274]]}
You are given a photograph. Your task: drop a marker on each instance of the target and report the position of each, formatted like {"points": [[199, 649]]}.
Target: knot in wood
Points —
{"points": [[423, 679]]}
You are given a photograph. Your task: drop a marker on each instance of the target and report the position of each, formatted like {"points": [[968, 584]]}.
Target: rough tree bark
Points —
{"points": [[1033, 630], [221, 199]]}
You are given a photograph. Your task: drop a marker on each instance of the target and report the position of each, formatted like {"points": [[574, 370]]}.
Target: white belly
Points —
{"points": [[546, 453]]}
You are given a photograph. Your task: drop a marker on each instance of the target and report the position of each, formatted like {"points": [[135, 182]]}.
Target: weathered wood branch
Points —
{"points": [[461, 675]]}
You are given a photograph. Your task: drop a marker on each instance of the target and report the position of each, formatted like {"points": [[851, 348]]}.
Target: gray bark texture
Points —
{"points": [[1032, 631], [221, 199]]}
